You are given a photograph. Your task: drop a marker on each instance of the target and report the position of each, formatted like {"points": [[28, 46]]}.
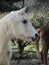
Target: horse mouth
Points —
{"points": [[36, 38], [33, 39]]}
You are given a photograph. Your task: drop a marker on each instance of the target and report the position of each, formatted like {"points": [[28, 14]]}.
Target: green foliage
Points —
{"points": [[7, 6], [11, 1], [4, 6], [42, 1], [28, 53], [40, 15]]}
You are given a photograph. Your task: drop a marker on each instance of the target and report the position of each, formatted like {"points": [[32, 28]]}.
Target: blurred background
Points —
{"points": [[38, 10]]}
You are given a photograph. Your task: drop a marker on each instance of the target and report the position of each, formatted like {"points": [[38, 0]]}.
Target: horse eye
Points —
{"points": [[24, 21]]}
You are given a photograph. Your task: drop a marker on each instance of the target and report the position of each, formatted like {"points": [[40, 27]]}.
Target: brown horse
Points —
{"points": [[44, 36]]}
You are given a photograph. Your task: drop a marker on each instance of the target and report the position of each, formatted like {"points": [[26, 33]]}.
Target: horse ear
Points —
{"points": [[22, 11]]}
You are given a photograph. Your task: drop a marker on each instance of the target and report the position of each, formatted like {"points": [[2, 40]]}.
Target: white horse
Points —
{"points": [[16, 24]]}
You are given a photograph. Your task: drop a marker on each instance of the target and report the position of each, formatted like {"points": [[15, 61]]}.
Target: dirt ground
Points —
{"points": [[27, 62]]}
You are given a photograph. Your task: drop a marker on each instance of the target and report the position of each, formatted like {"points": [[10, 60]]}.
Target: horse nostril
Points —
{"points": [[36, 35]]}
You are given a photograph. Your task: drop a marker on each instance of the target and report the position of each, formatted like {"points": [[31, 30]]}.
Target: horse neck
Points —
{"points": [[4, 42]]}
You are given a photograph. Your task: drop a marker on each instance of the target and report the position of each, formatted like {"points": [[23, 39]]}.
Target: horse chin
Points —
{"points": [[26, 40], [29, 39]]}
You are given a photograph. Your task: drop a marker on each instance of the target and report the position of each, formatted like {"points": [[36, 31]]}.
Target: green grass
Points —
{"points": [[30, 47], [29, 51]]}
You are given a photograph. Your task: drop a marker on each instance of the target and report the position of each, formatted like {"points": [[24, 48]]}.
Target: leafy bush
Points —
{"points": [[6, 7], [40, 15]]}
